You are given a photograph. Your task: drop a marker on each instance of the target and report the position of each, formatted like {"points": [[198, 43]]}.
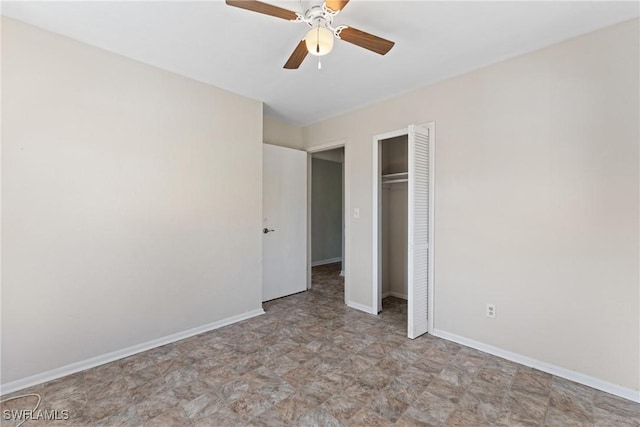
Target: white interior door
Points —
{"points": [[419, 228], [284, 212]]}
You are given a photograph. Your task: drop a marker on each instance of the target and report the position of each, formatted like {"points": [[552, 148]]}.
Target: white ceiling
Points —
{"points": [[244, 52]]}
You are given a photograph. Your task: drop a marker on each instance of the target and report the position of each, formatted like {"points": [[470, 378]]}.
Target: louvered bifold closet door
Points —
{"points": [[418, 259]]}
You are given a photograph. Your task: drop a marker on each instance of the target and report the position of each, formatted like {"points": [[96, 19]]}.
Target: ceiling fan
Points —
{"points": [[319, 40]]}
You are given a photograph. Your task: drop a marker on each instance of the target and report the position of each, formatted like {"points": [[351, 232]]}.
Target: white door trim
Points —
{"points": [[341, 143], [375, 221]]}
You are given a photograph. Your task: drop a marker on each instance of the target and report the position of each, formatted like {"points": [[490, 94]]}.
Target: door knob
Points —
{"points": [[266, 230]]}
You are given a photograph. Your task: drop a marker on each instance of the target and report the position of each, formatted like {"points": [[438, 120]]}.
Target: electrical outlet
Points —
{"points": [[491, 311]]}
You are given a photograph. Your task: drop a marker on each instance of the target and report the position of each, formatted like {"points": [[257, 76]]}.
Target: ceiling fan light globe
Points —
{"points": [[319, 41]]}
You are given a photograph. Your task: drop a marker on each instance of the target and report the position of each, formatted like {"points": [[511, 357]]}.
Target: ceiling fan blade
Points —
{"points": [[366, 40], [336, 5], [264, 8], [297, 56]]}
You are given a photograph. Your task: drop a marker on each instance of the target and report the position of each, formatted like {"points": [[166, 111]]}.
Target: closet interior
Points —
{"points": [[403, 223], [394, 216]]}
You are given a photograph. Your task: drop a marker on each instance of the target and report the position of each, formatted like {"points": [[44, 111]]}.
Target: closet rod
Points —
{"points": [[393, 181], [393, 175]]}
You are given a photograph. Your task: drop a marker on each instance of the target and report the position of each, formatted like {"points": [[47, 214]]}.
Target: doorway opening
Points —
{"points": [[328, 264], [402, 224], [393, 209]]}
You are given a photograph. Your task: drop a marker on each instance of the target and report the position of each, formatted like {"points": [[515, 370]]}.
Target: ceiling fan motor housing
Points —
{"points": [[317, 14]]}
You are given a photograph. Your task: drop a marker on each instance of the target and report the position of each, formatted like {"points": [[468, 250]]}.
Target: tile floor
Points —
{"points": [[311, 361]]}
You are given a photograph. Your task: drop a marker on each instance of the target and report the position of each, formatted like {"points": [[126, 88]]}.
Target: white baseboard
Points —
{"points": [[624, 392], [360, 307], [325, 261], [395, 294], [72, 368]]}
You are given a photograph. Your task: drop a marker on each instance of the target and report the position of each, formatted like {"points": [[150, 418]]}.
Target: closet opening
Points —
{"points": [[327, 223], [402, 225], [393, 222]]}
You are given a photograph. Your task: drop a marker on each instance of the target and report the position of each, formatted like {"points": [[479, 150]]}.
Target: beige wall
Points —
{"points": [[326, 210], [536, 205], [279, 132], [126, 216], [394, 246]]}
